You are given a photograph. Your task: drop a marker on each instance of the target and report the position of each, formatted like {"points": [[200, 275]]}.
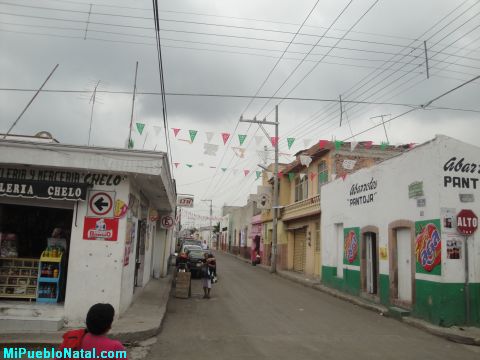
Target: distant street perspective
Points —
{"points": [[253, 314]]}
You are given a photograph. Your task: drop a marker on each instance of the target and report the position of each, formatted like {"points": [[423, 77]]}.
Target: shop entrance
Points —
{"points": [[371, 262], [299, 250], [34, 248]]}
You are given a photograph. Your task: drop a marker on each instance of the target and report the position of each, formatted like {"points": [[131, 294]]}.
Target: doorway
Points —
{"points": [[404, 265], [371, 263], [140, 252]]}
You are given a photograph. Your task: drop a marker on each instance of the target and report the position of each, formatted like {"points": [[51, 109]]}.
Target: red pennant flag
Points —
{"points": [[274, 140], [175, 131], [411, 145], [368, 144], [312, 175], [246, 172], [344, 175], [225, 137], [176, 164], [323, 144], [280, 174]]}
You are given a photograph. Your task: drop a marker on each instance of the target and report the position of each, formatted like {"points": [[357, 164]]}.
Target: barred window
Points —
{"points": [[322, 174], [301, 188]]}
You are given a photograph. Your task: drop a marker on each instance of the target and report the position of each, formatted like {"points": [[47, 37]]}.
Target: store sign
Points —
{"points": [[415, 189], [264, 197], [462, 174], [185, 201], [60, 176], [42, 189], [363, 193], [467, 222], [95, 228]]}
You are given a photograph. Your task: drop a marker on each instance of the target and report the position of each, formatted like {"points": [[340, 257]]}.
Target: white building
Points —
{"points": [[105, 204], [389, 232]]}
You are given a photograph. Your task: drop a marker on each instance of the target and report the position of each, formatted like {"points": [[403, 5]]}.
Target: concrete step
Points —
{"points": [[397, 312], [30, 323]]}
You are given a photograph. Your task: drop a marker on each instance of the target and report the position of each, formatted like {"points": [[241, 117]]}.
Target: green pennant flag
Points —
{"points": [[192, 133], [224, 169], [258, 173], [242, 138], [140, 127], [338, 144], [189, 165], [130, 144], [291, 176], [383, 145], [290, 142]]}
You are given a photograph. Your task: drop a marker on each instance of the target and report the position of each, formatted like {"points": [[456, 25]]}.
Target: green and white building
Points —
{"points": [[389, 233]]}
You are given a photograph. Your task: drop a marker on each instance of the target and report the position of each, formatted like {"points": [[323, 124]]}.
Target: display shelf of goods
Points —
{"points": [[18, 278], [50, 276]]}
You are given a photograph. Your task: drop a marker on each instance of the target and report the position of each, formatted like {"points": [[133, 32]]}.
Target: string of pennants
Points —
{"points": [[190, 215]]}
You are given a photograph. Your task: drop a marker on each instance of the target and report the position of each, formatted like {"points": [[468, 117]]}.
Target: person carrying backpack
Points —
{"points": [[99, 322]]}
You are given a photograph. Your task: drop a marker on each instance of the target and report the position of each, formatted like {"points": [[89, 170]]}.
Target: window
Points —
{"points": [[322, 174], [317, 238], [301, 188]]}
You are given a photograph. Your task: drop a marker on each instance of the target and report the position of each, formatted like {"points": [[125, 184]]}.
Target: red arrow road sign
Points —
{"points": [[467, 222]]}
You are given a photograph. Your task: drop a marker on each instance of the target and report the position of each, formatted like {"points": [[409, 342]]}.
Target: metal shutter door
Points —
{"points": [[299, 250]]}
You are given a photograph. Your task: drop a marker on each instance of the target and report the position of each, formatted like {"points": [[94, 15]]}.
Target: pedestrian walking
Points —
{"points": [[208, 271]]}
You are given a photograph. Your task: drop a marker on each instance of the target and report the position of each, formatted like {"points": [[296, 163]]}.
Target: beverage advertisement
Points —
{"points": [[428, 247], [351, 246]]}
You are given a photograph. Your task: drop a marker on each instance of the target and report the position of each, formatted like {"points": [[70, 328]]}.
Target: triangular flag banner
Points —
{"points": [[246, 172], [383, 145], [192, 133], [338, 144], [323, 177], [258, 140], [349, 164], [302, 175], [323, 144], [305, 160], [240, 152], [274, 140], [367, 144], [209, 136], [242, 138], [312, 175], [175, 131], [225, 137], [210, 149], [290, 142], [176, 164], [130, 143], [344, 176], [258, 173], [189, 165], [411, 145], [353, 145], [291, 176], [224, 169], [307, 142], [157, 129], [280, 174], [140, 127]]}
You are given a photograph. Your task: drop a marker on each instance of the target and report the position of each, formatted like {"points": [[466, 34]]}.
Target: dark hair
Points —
{"points": [[100, 318]]}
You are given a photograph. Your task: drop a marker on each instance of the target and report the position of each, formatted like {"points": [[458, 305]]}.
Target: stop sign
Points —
{"points": [[467, 222]]}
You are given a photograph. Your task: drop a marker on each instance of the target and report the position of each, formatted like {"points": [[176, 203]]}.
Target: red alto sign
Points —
{"points": [[467, 222]]}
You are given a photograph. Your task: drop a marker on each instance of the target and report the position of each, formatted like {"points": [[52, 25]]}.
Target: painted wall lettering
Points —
{"points": [[460, 178], [356, 192]]}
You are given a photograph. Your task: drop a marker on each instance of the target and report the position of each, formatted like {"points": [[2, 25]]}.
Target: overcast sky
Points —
{"points": [[366, 51]]}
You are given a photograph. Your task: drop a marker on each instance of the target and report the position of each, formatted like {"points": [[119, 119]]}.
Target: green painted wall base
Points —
{"points": [[439, 303]]}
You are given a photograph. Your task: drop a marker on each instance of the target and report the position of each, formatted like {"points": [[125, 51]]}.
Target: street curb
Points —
{"points": [[126, 337], [445, 333]]}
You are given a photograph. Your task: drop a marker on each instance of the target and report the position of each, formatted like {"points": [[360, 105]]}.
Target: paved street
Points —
{"points": [[254, 315]]}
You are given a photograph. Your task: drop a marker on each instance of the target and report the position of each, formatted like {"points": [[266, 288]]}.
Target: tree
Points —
{"points": [[216, 228]]}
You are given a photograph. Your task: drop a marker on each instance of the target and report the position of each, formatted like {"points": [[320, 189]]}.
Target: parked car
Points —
{"points": [[187, 241], [195, 261]]}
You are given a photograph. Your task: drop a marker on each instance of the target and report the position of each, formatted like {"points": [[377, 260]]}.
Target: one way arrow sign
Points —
{"points": [[100, 203]]}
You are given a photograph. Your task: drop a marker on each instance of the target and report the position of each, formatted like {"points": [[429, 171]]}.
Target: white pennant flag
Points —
{"points": [[307, 142], [209, 136], [263, 155], [305, 160], [258, 140], [269, 174], [353, 145], [157, 129], [210, 149], [240, 152], [349, 164], [302, 175]]}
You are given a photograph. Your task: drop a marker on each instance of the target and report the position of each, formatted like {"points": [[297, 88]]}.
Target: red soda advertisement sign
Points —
{"points": [[100, 229]]}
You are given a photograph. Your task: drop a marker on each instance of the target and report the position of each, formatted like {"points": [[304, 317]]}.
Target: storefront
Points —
{"points": [[76, 224], [390, 233], [256, 238]]}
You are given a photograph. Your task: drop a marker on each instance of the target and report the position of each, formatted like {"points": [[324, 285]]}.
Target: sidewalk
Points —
{"points": [[142, 320], [463, 335]]}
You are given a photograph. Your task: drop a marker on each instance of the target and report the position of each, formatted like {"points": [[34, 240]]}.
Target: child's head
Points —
{"points": [[100, 318]]}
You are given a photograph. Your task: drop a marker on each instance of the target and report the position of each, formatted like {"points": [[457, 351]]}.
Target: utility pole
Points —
{"points": [[210, 228], [129, 141], [92, 100], [383, 123], [273, 267]]}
